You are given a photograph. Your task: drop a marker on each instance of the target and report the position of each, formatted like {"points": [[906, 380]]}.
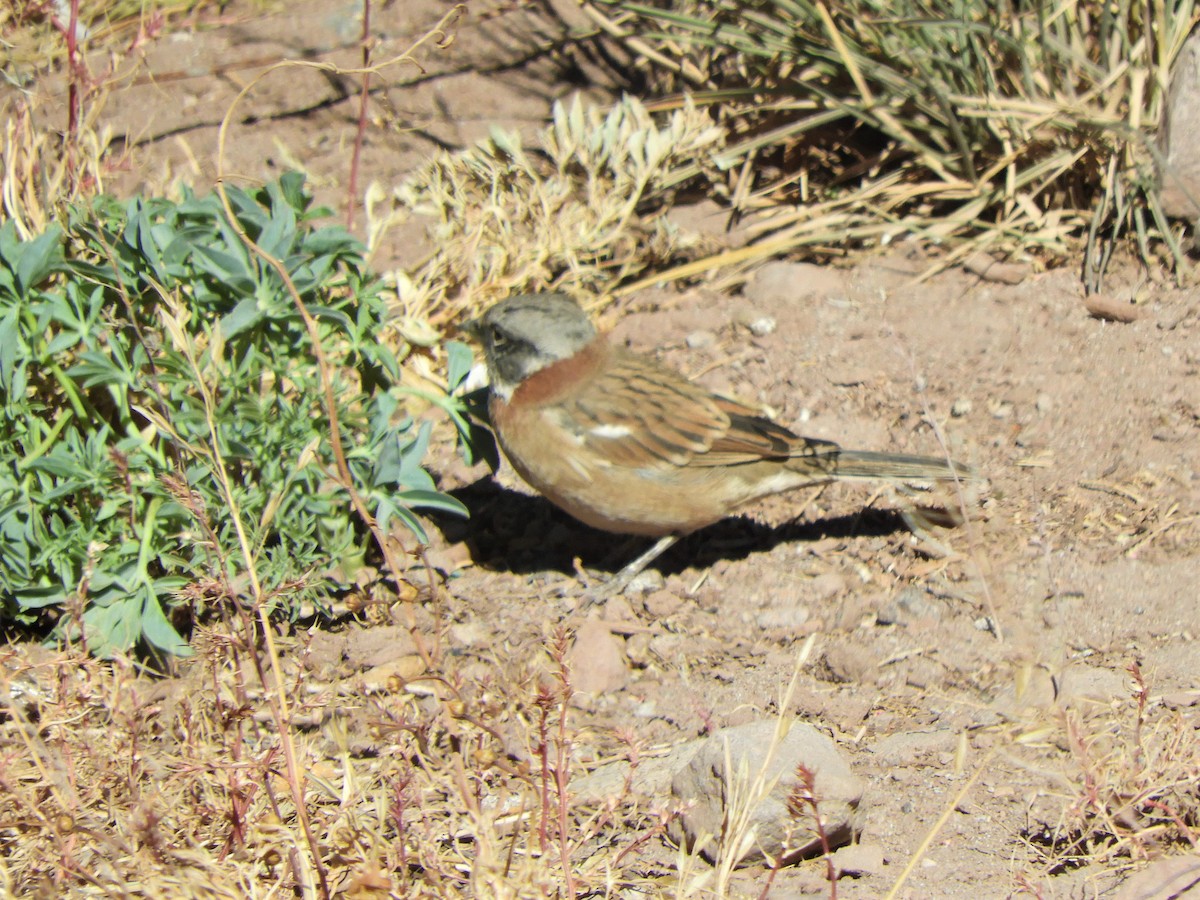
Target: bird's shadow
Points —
{"points": [[514, 532]]}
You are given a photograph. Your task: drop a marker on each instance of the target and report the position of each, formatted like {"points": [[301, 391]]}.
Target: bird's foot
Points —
{"points": [[617, 585]]}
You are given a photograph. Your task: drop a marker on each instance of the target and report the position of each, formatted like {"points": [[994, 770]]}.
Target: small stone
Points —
{"points": [[907, 748], [762, 327], [1044, 403], [1179, 165], [850, 665], [619, 609], [910, 606], [962, 407], [1000, 409], [1080, 685], [1171, 878], [1110, 309], [637, 648], [858, 860], [758, 324], [469, 634], [781, 281], [827, 585], [786, 617], [645, 582], [597, 660], [1181, 699], [661, 604], [699, 340], [666, 646]]}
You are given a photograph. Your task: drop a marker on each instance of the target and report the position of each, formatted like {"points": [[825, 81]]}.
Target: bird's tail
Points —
{"points": [[898, 467]]}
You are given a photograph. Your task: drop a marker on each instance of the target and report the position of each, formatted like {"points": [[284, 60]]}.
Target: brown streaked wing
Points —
{"points": [[752, 437], [637, 413]]}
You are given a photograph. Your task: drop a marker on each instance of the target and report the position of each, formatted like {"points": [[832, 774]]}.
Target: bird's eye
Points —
{"points": [[499, 338]]}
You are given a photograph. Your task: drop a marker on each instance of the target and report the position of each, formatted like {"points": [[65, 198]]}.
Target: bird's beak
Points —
{"points": [[470, 329]]}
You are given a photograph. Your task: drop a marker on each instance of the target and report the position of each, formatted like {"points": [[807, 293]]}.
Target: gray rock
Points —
{"points": [[777, 828], [1173, 878], [1180, 138]]}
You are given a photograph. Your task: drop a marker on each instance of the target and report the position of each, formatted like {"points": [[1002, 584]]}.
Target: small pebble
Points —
{"points": [[785, 617], [761, 327], [1001, 410], [698, 340], [597, 660], [661, 604], [646, 582], [1044, 403], [759, 324], [827, 585], [469, 634], [962, 407], [637, 649], [1110, 309]]}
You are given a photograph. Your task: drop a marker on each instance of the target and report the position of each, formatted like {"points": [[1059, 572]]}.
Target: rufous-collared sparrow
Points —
{"points": [[628, 445]]}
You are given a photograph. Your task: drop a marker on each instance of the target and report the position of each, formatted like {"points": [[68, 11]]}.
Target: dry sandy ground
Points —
{"points": [[1082, 549]]}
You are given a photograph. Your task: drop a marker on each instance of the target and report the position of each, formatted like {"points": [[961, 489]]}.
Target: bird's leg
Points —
{"points": [[619, 582]]}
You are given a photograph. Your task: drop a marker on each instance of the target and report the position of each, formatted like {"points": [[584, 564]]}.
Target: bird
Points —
{"points": [[628, 445]]}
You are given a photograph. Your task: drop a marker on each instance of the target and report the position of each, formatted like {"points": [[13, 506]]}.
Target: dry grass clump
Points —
{"points": [[40, 174], [1009, 126], [34, 30], [1133, 787], [114, 782], [580, 213]]}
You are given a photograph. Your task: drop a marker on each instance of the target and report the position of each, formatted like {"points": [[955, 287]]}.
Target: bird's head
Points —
{"points": [[523, 335]]}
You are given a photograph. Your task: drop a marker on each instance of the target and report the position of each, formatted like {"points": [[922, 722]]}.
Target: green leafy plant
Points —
{"points": [[157, 383]]}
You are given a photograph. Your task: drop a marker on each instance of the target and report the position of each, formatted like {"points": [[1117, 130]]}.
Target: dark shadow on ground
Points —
{"points": [[514, 532]]}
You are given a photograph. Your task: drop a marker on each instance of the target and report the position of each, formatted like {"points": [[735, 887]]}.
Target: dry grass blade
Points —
{"points": [[1131, 786], [1025, 128]]}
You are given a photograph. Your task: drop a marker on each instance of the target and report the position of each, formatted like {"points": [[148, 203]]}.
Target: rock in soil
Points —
{"points": [[781, 824], [597, 659]]}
